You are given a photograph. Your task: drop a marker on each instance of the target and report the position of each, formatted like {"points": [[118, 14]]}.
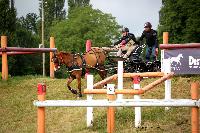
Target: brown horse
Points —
{"points": [[77, 64]]}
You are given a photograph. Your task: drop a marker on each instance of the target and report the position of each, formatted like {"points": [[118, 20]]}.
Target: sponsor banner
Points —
{"points": [[184, 61]]}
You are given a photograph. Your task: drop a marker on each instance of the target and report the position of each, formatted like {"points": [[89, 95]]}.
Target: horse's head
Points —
{"points": [[56, 60], [60, 58]]}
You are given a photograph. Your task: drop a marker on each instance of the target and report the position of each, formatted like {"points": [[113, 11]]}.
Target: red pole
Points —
{"points": [[88, 48], [195, 110], [41, 110]]}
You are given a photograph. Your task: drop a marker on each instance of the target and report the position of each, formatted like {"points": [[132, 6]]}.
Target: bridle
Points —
{"points": [[56, 60]]}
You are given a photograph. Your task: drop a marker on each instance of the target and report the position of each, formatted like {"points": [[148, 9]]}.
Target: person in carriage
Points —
{"points": [[126, 43], [151, 42]]}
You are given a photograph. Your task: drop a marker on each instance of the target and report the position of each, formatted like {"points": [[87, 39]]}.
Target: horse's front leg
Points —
{"points": [[69, 80]]}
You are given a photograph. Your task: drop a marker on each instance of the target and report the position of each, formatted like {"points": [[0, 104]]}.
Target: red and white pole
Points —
{"points": [[41, 110], [136, 86], [88, 48]]}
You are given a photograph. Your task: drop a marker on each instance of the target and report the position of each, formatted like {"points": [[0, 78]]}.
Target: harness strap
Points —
{"points": [[96, 57]]}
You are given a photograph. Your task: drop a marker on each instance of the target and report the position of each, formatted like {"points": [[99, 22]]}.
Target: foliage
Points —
{"points": [[73, 4], [24, 64], [84, 23], [53, 10], [181, 19], [7, 17], [30, 22]]}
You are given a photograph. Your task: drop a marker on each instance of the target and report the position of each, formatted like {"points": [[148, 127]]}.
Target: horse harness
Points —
{"points": [[75, 65]]}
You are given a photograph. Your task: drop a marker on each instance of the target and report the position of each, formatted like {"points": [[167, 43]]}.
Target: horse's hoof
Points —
{"points": [[80, 95], [73, 91]]}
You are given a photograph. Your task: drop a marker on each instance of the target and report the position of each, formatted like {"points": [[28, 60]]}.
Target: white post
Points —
{"points": [[162, 59], [120, 79], [89, 98], [136, 86], [167, 69]]}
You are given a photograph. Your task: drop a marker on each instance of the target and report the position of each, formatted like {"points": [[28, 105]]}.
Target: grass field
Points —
{"points": [[18, 115]]}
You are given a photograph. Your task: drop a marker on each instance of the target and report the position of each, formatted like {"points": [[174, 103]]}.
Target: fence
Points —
{"points": [[5, 51]]}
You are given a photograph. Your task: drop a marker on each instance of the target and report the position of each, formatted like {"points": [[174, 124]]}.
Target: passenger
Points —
{"points": [[126, 43], [151, 41]]}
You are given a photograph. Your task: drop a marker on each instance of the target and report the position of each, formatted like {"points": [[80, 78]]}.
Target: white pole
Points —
{"points": [[167, 69], [138, 114], [89, 98], [162, 59], [123, 103], [120, 79]]}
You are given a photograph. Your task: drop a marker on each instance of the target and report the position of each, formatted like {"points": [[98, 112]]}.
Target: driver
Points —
{"points": [[151, 40], [126, 43]]}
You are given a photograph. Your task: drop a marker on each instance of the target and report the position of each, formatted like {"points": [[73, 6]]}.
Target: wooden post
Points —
{"points": [[4, 58], [165, 41], [52, 45], [165, 37], [111, 110], [195, 110], [41, 110]]}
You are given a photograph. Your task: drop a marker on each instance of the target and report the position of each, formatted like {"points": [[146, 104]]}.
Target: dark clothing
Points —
{"points": [[126, 39], [150, 51], [151, 42], [151, 38]]}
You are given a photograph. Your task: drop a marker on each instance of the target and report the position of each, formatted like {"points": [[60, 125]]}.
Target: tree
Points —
{"points": [[53, 10], [85, 23], [7, 17], [24, 64], [30, 22], [72, 4], [181, 19]]}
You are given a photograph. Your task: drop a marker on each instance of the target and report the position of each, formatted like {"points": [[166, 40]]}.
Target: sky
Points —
{"points": [[129, 13]]}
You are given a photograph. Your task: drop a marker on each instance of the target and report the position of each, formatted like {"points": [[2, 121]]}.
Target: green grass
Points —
{"points": [[18, 115]]}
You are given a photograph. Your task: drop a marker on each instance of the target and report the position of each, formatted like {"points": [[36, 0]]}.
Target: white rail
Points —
{"points": [[121, 103]]}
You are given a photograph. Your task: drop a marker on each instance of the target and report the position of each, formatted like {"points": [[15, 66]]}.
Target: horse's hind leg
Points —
{"points": [[79, 86], [69, 80], [102, 72]]}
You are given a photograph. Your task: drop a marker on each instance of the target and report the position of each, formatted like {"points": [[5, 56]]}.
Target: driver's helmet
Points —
{"points": [[147, 25], [125, 29]]}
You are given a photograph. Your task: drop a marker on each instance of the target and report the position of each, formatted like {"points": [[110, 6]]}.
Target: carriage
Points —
{"points": [[133, 64]]}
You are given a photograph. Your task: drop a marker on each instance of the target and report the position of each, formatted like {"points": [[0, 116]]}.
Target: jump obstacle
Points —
{"points": [[111, 102], [120, 102], [5, 51]]}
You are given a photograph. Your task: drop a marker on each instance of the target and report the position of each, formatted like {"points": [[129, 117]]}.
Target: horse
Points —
{"points": [[78, 64]]}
